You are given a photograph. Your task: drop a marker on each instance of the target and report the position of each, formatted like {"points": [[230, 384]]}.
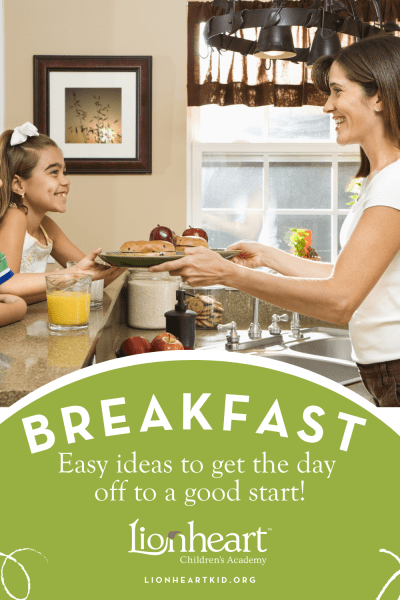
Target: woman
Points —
{"points": [[363, 287]]}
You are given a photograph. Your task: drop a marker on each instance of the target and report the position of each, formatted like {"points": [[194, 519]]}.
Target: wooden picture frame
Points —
{"points": [[76, 100]]}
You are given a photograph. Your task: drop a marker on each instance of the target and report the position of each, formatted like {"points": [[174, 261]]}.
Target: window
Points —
{"points": [[257, 172]]}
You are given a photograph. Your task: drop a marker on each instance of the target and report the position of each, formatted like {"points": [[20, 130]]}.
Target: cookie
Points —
{"points": [[207, 312], [196, 305], [218, 309], [208, 300], [204, 324]]}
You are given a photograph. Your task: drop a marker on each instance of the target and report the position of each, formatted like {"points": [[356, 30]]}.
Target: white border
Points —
{"points": [[389, 416], [59, 80], [2, 70]]}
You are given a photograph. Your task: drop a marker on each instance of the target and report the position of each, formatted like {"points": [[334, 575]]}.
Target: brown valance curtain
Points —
{"points": [[228, 78]]}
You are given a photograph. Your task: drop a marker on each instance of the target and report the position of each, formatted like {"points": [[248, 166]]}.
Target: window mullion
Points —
{"points": [[266, 183], [301, 211], [197, 158], [335, 204]]}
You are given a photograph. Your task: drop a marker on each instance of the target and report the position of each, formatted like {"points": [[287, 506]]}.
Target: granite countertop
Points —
{"points": [[31, 355]]}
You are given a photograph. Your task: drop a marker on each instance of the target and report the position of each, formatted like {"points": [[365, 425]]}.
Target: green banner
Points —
{"points": [[184, 477]]}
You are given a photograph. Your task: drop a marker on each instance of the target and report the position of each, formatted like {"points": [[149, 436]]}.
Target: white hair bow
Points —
{"points": [[22, 133]]}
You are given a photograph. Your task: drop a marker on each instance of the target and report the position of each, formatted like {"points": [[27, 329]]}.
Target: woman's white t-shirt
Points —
{"points": [[375, 325]]}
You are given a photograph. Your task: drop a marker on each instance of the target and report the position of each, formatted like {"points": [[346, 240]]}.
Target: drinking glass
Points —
{"points": [[96, 294], [68, 301]]}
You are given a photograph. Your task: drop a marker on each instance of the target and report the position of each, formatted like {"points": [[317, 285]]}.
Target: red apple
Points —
{"points": [[165, 234], [196, 232], [165, 341], [134, 345], [161, 335]]}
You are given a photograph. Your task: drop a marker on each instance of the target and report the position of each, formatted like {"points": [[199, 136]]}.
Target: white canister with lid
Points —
{"points": [[150, 296]]}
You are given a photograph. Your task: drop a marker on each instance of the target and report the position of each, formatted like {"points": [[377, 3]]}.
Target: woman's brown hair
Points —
{"points": [[373, 63], [18, 160]]}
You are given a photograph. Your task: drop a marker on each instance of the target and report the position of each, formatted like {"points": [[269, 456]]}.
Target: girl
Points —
{"points": [[363, 287], [32, 169]]}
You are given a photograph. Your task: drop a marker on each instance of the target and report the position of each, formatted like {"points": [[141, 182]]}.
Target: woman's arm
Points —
{"points": [[257, 255], [12, 234], [295, 266], [12, 309], [360, 265]]}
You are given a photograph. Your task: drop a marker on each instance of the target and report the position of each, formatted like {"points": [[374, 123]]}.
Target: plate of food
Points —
{"points": [[163, 246], [138, 259]]}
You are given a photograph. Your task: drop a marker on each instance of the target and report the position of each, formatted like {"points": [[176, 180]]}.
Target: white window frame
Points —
{"points": [[318, 151]]}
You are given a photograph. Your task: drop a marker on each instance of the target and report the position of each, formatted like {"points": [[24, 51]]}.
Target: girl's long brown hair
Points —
{"points": [[373, 63], [18, 160]]}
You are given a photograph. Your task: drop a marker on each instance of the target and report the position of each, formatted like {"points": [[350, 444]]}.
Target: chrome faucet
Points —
{"points": [[233, 339], [274, 328], [295, 326], [255, 332]]}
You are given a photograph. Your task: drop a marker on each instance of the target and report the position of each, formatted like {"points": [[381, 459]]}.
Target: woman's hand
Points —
{"points": [[252, 254], [200, 266], [88, 266]]}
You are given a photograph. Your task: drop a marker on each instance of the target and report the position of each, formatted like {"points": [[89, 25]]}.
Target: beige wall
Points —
{"points": [[108, 210]]}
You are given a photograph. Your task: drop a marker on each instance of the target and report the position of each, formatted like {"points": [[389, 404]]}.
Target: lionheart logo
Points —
{"points": [[14, 560], [392, 578], [155, 544]]}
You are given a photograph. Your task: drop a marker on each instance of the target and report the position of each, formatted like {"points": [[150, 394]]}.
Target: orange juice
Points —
{"points": [[68, 308]]}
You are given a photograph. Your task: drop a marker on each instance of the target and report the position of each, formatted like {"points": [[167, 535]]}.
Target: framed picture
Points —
{"points": [[97, 109]]}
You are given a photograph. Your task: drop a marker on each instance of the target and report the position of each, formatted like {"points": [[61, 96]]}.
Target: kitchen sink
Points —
{"points": [[335, 347], [326, 351], [340, 373]]}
